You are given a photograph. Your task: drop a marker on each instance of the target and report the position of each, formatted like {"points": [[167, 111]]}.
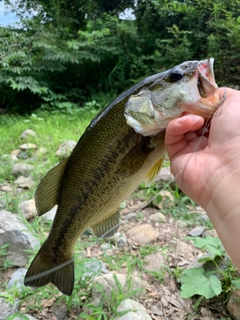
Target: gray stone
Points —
{"points": [[130, 216], [158, 217], [60, 311], [22, 169], [211, 233], [14, 232], [16, 280], [27, 133], [15, 153], [6, 188], [136, 311], [94, 267], [109, 285], [24, 182], [118, 238], [233, 304], [197, 231], [65, 148], [165, 176], [28, 209], [7, 308], [154, 262], [143, 233]]}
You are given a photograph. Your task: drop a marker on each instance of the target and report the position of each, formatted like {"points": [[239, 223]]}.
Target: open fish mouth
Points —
{"points": [[206, 81]]}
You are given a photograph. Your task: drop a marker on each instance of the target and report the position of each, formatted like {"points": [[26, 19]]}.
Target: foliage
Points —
{"points": [[62, 55]]}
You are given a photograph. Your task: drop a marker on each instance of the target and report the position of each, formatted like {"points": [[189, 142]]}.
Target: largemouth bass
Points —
{"points": [[122, 147]]}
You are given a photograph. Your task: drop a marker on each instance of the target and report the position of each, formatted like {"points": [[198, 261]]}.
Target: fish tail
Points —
{"points": [[44, 270]]}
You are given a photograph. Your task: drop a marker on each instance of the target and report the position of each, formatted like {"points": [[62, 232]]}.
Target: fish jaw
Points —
{"points": [[150, 110]]}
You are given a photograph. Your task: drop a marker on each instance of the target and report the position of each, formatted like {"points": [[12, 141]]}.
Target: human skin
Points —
{"points": [[206, 167]]}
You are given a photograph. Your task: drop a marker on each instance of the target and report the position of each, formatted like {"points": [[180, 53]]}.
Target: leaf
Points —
{"points": [[212, 244], [236, 283], [195, 281]]}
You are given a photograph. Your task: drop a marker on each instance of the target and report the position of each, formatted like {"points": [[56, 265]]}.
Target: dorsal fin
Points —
{"points": [[47, 191]]}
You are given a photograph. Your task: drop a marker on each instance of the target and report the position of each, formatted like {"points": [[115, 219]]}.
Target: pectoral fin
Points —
{"points": [[108, 227], [46, 194]]}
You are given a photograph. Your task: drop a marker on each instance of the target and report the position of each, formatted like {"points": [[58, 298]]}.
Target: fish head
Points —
{"points": [[188, 87]]}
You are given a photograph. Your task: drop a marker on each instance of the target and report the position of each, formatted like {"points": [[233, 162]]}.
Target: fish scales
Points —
{"points": [[122, 146]]}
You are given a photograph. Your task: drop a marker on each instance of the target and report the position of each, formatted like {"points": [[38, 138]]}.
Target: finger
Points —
{"points": [[177, 128]]}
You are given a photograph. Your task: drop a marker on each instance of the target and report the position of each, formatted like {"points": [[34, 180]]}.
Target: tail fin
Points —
{"points": [[42, 272]]}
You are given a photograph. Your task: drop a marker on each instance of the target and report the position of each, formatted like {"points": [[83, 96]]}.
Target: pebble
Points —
{"points": [[158, 217], [130, 216], [94, 267], [167, 201], [15, 153], [6, 188], [22, 169], [154, 262], [143, 233], [28, 209], [233, 304], [27, 146], [197, 231], [50, 215], [65, 148], [16, 280], [27, 133], [165, 176], [7, 308], [24, 182], [14, 232], [211, 233], [134, 311]]}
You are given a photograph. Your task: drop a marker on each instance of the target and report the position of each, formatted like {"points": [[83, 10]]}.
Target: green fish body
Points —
{"points": [[122, 146]]}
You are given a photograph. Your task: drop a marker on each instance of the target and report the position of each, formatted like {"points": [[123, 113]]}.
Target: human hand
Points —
{"points": [[199, 162]]}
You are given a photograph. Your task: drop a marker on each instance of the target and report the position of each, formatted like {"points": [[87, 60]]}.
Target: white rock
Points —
{"points": [[65, 148], [27, 146], [7, 308], [28, 209], [158, 217], [27, 133], [167, 201], [22, 169], [136, 311], [14, 232], [143, 233], [17, 279], [24, 182], [50, 215], [154, 262]]}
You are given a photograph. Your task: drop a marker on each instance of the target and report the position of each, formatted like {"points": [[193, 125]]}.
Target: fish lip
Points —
{"points": [[206, 80]]}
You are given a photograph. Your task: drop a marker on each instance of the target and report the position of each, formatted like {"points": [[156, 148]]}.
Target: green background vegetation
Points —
{"points": [[73, 52]]}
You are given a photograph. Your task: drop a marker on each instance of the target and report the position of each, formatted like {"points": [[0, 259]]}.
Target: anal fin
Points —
{"points": [[108, 227]]}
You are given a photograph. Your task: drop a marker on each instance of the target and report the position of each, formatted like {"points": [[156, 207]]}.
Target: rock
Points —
{"points": [[6, 188], [22, 169], [158, 217], [94, 267], [107, 246], [27, 133], [65, 148], [154, 262], [167, 201], [197, 231], [41, 151], [15, 153], [108, 285], [28, 209], [50, 215], [211, 233], [233, 305], [7, 308], [14, 232], [118, 238], [60, 311], [16, 280], [136, 311], [130, 216], [165, 176], [24, 183], [183, 249], [7, 159], [143, 233], [27, 146]]}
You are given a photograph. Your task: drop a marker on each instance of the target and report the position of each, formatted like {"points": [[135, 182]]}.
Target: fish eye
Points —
{"points": [[176, 75]]}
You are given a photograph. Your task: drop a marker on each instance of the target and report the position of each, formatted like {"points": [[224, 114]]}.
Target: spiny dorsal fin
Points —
{"points": [[154, 170], [110, 224], [47, 191]]}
